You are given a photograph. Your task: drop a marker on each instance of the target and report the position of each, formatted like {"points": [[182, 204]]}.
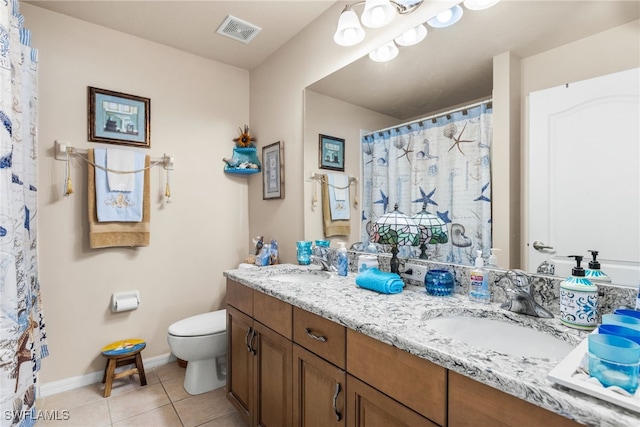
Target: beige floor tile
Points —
{"points": [[72, 398], [164, 416], [131, 383], [94, 414], [199, 409], [229, 420], [175, 389], [169, 371], [135, 402]]}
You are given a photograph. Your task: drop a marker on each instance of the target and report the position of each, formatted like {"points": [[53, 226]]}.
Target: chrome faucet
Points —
{"points": [[323, 262], [520, 293]]}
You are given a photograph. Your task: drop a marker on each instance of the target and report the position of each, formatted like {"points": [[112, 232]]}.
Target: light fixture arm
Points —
{"points": [[402, 9]]}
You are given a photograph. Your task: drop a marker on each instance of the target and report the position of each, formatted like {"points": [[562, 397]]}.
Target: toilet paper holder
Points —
{"points": [[125, 301]]}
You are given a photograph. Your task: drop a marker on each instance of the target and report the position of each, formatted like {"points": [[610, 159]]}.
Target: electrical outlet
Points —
{"points": [[415, 272]]}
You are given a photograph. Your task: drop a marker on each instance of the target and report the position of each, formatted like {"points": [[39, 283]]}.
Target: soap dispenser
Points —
{"points": [[578, 299], [593, 272], [492, 262], [478, 282], [343, 259]]}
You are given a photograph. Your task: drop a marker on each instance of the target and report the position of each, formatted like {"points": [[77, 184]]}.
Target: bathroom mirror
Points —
{"points": [[453, 66]]}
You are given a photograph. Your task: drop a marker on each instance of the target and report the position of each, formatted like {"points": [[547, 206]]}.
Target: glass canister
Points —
{"points": [[304, 252], [367, 261], [439, 283]]}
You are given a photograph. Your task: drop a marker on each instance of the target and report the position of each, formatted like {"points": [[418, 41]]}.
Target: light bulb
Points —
{"points": [[444, 16], [377, 16], [349, 36]]}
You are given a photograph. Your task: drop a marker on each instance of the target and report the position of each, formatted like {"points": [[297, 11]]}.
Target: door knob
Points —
{"points": [[540, 246]]}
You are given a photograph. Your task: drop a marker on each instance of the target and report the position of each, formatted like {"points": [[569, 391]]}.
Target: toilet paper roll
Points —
{"points": [[125, 304]]}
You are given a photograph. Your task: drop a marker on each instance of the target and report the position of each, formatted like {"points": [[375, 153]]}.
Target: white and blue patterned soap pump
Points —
{"points": [[594, 272], [578, 299]]}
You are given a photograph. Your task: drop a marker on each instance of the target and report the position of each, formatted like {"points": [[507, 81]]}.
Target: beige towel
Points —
{"points": [[114, 234], [332, 228]]}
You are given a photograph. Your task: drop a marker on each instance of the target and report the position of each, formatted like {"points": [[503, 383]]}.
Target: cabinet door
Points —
{"points": [[240, 363], [274, 387], [474, 404], [318, 391], [367, 407]]}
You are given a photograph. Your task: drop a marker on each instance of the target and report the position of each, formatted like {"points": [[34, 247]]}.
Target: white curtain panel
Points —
{"points": [[444, 162], [22, 329]]}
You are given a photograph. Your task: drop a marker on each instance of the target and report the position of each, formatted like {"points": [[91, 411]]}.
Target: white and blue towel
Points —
{"points": [[120, 160], [338, 196], [119, 206]]}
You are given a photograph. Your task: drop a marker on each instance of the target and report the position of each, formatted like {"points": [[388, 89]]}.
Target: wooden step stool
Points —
{"points": [[121, 353]]}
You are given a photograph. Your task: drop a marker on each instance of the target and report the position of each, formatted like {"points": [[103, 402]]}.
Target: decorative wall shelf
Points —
{"points": [[244, 161]]}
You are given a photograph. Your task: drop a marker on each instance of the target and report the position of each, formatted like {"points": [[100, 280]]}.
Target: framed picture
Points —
{"points": [[118, 118], [273, 171], [331, 153]]}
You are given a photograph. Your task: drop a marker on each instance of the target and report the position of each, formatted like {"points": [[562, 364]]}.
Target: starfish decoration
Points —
{"points": [[458, 141], [482, 197], [444, 216], [406, 150], [425, 198], [384, 201]]}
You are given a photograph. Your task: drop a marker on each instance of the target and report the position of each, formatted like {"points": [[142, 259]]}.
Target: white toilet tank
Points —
{"points": [[201, 324]]}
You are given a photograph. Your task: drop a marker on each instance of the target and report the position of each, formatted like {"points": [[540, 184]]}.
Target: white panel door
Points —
{"points": [[584, 175]]}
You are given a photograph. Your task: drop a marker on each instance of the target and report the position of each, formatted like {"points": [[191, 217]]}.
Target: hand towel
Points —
{"points": [[120, 160], [338, 196], [379, 281], [118, 205], [117, 234], [332, 227]]}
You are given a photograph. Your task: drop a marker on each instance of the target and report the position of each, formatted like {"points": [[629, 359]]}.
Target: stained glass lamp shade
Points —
{"points": [[433, 230], [395, 228]]}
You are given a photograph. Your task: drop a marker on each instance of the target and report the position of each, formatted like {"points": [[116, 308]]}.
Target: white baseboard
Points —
{"points": [[55, 387]]}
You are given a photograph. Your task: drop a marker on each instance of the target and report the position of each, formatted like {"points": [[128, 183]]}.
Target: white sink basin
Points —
{"points": [[300, 276], [500, 336]]}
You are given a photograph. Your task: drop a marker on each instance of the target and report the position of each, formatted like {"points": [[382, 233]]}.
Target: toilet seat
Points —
{"points": [[201, 324]]}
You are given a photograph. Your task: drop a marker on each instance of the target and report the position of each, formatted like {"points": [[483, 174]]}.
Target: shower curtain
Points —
{"points": [[22, 330], [443, 163]]}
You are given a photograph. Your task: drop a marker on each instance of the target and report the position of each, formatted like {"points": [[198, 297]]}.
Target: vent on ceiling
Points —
{"points": [[238, 29]]}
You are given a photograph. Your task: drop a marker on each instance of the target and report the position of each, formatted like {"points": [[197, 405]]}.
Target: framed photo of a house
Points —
{"points": [[273, 171], [331, 153], [119, 118]]}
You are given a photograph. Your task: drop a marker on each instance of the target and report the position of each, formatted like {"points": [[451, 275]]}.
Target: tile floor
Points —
{"points": [[162, 402]]}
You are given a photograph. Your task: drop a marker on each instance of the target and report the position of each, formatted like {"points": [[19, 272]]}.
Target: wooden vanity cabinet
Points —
{"points": [[472, 403], [259, 382]]}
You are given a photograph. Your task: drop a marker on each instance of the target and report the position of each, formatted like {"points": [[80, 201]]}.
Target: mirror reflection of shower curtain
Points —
{"points": [[442, 161]]}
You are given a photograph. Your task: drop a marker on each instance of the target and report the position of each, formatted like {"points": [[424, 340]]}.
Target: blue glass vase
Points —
{"points": [[439, 283]]}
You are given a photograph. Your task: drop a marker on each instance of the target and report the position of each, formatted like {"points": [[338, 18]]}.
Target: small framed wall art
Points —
{"points": [[273, 171], [118, 118], [331, 153]]}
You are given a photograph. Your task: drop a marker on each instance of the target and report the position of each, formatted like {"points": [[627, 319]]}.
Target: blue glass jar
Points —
{"points": [[304, 252], [439, 283]]}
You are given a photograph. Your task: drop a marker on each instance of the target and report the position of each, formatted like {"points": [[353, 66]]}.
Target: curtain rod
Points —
{"points": [[432, 117]]}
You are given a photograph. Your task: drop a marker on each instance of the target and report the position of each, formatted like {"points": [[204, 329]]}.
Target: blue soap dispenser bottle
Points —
{"points": [[478, 282], [343, 259], [594, 273], [578, 299]]}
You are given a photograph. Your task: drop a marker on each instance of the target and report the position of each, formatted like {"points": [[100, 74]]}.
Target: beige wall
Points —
{"points": [[329, 116], [196, 107]]}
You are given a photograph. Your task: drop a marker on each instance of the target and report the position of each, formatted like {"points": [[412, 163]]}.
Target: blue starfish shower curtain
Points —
{"points": [[22, 334], [443, 163]]}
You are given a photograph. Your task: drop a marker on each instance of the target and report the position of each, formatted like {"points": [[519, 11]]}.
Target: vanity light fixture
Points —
{"points": [[479, 4], [412, 36], [384, 53], [377, 13], [446, 18]]}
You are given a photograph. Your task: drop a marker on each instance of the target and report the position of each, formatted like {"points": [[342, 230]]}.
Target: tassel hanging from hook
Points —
{"points": [[167, 191], [68, 187]]}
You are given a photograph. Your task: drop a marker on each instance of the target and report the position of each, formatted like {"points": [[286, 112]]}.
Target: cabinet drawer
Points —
{"points": [[273, 313], [417, 383], [319, 335], [240, 296]]}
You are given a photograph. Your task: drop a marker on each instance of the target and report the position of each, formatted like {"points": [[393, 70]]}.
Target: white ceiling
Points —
{"points": [[449, 67]]}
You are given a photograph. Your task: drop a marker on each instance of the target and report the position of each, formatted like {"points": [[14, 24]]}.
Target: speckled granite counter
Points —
{"points": [[399, 320]]}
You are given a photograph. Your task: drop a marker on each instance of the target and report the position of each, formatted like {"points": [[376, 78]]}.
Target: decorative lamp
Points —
{"points": [[378, 13], [395, 229], [446, 18], [433, 230]]}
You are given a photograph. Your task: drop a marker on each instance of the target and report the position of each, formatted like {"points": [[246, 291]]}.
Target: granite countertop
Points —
{"points": [[399, 320]]}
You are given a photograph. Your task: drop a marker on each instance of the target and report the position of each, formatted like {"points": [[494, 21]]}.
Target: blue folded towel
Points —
{"points": [[379, 281], [121, 206]]}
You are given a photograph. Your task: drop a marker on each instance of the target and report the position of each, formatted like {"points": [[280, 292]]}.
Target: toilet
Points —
{"points": [[201, 340]]}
